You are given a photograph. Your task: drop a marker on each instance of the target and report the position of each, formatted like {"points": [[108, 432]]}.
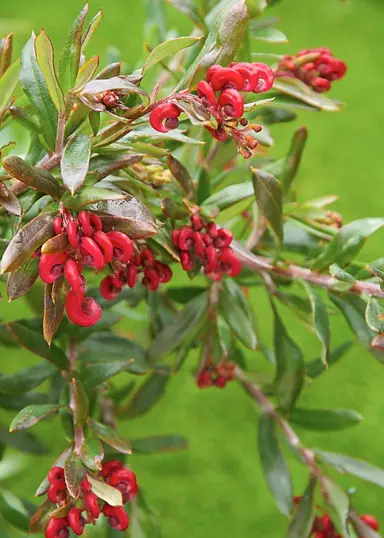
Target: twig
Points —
{"points": [[295, 272], [77, 428]]}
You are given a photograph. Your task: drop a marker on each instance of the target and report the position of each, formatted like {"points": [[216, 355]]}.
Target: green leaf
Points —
{"points": [[92, 27], [274, 464], [110, 437], [22, 280], [230, 195], [81, 403], [74, 471], [232, 308], [26, 379], [92, 453], [325, 419], [22, 441], [110, 495], [317, 366], [36, 89], [46, 60], [374, 315], [293, 159], [70, 56], [108, 346], [31, 415], [353, 466], [91, 195], [339, 501], [256, 7], [158, 444], [148, 394], [36, 178], [13, 511], [269, 198], [35, 343], [184, 328], [86, 72], [268, 35], [75, 162], [181, 174], [189, 8], [96, 374], [320, 320], [168, 48], [346, 245], [8, 84], [301, 524], [290, 370], [294, 87]]}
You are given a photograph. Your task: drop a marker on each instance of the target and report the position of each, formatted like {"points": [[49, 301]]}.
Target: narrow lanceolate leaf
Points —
{"points": [[35, 343], [21, 281], [40, 180], [57, 243], [26, 379], [290, 370], [92, 453], [87, 71], [91, 195], [26, 241], [168, 48], [8, 84], [22, 441], [97, 373], [339, 501], [346, 245], [320, 320], [14, 512], [374, 315], [181, 174], [54, 306], [6, 47], [46, 59], [159, 443], [325, 419], [269, 198], [31, 415], [296, 88], [230, 195], [353, 466], [74, 471], [302, 521], [317, 366], [36, 89], [110, 495], [110, 437], [231, 307], [92, 27], [274, 464], [145, 397], [81, 403], [268, 35], [9, 201], [70, 56], [182, 329], [292, 160], [75, 162]]}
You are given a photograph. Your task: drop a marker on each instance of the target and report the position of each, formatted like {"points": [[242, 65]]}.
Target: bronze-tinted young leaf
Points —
{"points": [[21, 281], [57, 243], [35, 343], [45, 57], [31, 415], [36, 89], [86, 72], [70, 56], [168, 48], [92, 453], [184, 328], [110, 437], [92, 195], [126, 84], [129, 216], [81, 403], [294, 87], [320, 320], [26, 241], [38, 179], [290, 370], [74, 472], [325, 419], [293, 159], [54, 306], [38, 520], [274, 464], [301, 524], [110, 495], [9, 201], [159, 443], [346, 245], [6, 46], [148, 395], [92, 27], [181, 174], [8, 84], [75, 162], [14, 513], [230, 195], [269, 198], [42, 489]]}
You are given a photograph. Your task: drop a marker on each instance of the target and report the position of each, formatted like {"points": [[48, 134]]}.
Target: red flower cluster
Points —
{"points": [[85, 244], [315, 67], [114, 474], [216, 376], [203, 243], [227, 107]]}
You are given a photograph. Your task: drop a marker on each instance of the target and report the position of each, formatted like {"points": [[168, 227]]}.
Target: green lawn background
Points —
{"points": [[216, 489]]}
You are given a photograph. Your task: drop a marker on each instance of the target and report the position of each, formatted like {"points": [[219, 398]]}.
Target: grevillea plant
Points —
{"points": [[152, 186]]}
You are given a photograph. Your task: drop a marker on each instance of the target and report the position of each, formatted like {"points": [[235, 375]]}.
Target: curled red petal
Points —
{"points": [[232, 103], [110, 466], [91, 505], [231, 264], [57, 491], [185, 238], [76, 521], [227, 78], [57, 528], [72, 230], [266, 78], [58, 225], [85, 222], [211, 71], [73, 277], [55, 473], [186, 261], [151, 279], [96, 222], [160, 116], [122, 246], [51, 266], [108, 290], [83, 311], [206, 93], [117, 517], [249, 73], [164, 272], [223, 239], [106, 245], [147, 257], [210, 262], [93, 255], [218, 134]]}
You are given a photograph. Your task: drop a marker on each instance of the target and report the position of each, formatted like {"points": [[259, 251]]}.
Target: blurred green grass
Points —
{"points": [[216, 488]]}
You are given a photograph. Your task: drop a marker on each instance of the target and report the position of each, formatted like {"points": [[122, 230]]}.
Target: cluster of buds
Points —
{"points": [[216, 375], [204, 244], [88, 507], [317, 68], [220, 95], [82, 242]]}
